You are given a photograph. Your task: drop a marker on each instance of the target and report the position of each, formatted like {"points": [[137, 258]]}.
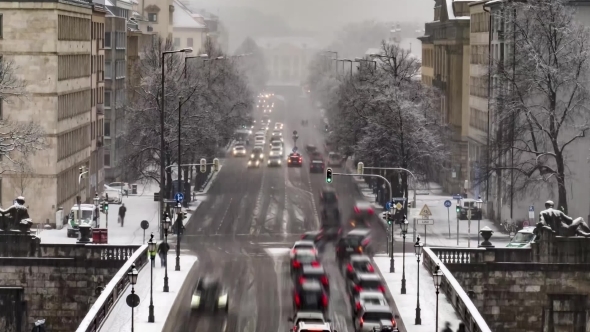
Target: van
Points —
{"points": [[87, 215], [523, 238]]}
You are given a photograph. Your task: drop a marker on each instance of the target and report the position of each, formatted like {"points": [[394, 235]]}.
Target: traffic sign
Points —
{"points": [[425, 212], [179, 197], [457, 196], [294, 132], [132, 300], [388, 206], [294, 149], [532, 212], [448, 203], [425, 222], [144, 224], [399, 206]]}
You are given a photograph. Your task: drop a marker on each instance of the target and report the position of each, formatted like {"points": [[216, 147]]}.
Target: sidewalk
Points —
{"points": [[120, 316], [406, 303]]}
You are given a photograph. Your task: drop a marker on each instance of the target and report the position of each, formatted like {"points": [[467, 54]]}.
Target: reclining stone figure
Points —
{"points": [[561, 223], [15, 215]]}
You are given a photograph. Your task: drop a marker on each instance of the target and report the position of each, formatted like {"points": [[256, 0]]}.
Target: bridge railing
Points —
{"points": [[473, 320], [114, 289]]}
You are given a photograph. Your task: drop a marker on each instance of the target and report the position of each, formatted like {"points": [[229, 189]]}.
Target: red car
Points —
{"points": [[310, 296], [294, 160], [317, 166]]}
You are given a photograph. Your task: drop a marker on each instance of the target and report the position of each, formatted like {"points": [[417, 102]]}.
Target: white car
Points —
{"points": [[304, 245], [364, 298], [87, 215], [123, 186], [276, 144], [276, 152], [260, 133], [259, 140], [239, 151], [309, 317], [374, 316], [278, 126], [113, 196]]}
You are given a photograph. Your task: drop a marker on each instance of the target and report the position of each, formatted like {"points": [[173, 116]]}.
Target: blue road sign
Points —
{"points": [[448, 203], [457, 196], [294, 149], [388, 206], [179, 197], [532, 208]]}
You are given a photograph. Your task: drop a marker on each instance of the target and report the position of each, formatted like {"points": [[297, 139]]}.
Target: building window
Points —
{"points": [[1, 34], [150, 28], [152, 17], [107, 99], [73, 28], [189, 42], [120, 69], [176, 42], [107, 129], [107, 39], [108, 70], [73, 66], [119, 98], [107, 160], [72, 104], [121, 40]]}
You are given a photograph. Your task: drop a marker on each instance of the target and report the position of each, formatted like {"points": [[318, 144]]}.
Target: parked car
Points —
{"points": [[123, 186], [87, 215], [114, 196]]}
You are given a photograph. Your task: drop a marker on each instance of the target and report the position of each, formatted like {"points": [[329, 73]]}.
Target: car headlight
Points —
{"points": [[279, 162], [222, 301], [252, 156], [257, 163], [249, 162], [261, 155], [196, 300], [268, 162]]}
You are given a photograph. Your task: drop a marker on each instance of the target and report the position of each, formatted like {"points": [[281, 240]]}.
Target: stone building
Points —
{"points": [[188, 31], [50, 43], [445, 50], [287, 59]]}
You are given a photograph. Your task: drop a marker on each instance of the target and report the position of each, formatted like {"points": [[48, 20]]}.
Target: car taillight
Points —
{"points": [[381, 289], [370, 268], [300, 159], [296, 264], [301, 280], [324, 300], [293, 251], [350, 268], [358, 306], [358, 288], [297, 300], [302, 237], [361, 322], [357, 210], [324, 280], [315, 264], [360, 249], [371, 212], [393, 323], [365, 242]]}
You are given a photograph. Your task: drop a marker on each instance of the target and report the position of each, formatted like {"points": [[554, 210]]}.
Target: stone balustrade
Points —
{"points": [[88, 251], [482, 255]]}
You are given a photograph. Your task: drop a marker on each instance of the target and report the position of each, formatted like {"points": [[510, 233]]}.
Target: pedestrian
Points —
{"points": [[163, 253], [447, 327], [122, 211], [461, 328]]}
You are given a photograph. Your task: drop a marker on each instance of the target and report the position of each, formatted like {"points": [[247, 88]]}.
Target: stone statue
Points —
{"points": [[18, 216], [561, 223]]}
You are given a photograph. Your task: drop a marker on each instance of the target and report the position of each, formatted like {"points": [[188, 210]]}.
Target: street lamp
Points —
{"points": [[418, 250], [166, 225], [162, 141], [346, 60], [152, 253], [366, 61], [200, 56], [404, 227], [178, 211], [132, 275], [479, 204], [96, 202], [437, 276]]}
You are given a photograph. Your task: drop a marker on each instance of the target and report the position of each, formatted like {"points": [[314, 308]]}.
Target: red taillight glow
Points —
{"points": [[381, 289], [358, 288], [296, 264], [393, 323], [365, 242], [293, 251], [297, 300], [358, 306], [301, 280], [361, 322], [357, 210], [350, 268], [324, 300], [324, 280], [370, 268], [315, 264]]}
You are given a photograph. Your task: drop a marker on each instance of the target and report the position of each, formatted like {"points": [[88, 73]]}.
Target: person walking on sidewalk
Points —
{"points": [[447, 327], [122, 211], [163, 249]]}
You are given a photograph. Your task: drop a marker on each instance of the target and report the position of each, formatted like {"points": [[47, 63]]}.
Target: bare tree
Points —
{"points": [[540, 101], [22, 178]]}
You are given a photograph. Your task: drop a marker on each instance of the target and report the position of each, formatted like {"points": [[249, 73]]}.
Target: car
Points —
{"points": [[303, 257], [318, 273], [310, 295], [313, 236], [260, 133], [114, 196], [310, 317], [278, 126], [317, 166], [267, 109], [294, 160], [312, 327], [257, 153], [276, 141], [311, 149], [275, 152], [239, 151], [123, 186], [259, 140], [276, 132], [302, 245], [328, 196], [362, 215], [254, 163], [364, 282], [274, 161], [375, 318], [334, 159], [266, 120], [359, 263], [467, 204], [210, 295], [354, 242], [87, 215], [523, 238], [367, 298], [243, 143]]}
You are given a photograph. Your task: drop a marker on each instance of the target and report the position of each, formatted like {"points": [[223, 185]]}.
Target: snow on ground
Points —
{"points": [[119, 319], [406, 303]]}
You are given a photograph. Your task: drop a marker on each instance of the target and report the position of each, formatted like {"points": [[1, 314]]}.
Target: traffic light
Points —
{"points": [[106, 207], [203, 164], [328, 175], [102, 207], [360, 168], [458, 208], [215, 165]]}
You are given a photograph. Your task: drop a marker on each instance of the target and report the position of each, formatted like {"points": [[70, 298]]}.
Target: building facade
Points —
{"points": [[49, 42], [445, 46], [97, 101], [188, 31], [287, 59]]}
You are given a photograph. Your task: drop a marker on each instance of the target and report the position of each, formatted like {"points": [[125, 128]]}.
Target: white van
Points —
{"points": [[87, 215]]}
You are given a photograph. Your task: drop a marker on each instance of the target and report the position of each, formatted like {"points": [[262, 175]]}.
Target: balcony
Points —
{"points": [[100, 109]]}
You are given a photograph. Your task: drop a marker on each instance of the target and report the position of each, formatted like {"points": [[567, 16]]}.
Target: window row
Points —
{"points": [[478, 119], [107, 99], [73, 28], [120, 69], [97, 63], [480, 55], [97, 30], [120, 98], [97, 96], [480, 22], [72, 104], [427, 57], [478, 86], [73, 141], [121, 39], [72, 66], [108, 70], [67, 184], [189, 42], [97, 129]]}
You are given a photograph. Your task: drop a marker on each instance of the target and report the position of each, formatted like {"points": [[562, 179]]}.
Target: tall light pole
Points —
{"points": [[132, 275], [404, 227], [162, 118], [166, 225], [178, 210], [152, 252], [418, 250], [367, 61], [479, 204], [200, 56], [437, 276]]}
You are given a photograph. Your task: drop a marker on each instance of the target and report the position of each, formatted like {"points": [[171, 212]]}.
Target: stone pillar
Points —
{"points": [[486, 233]]}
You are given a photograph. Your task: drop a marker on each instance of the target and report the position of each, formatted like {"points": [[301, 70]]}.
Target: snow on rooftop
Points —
{"points": [[108, 3], [450, 10], [183, 18]]}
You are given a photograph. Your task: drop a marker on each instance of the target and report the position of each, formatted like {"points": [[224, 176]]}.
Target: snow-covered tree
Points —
{"points": [[540, 101], [253, 64]]}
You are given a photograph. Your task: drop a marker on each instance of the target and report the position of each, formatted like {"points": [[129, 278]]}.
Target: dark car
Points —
{"points": [[359, 263], [317, 166], [311, 149], [210, 295], [303, 257], [257, 153], [354, 242], [314, 236], [362, 216], [317, 272], [364, 282], [328, 196], [274, 161], [294, 160], [254, 163], [310, 295]]}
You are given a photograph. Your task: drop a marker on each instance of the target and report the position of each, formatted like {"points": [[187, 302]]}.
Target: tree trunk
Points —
{"points": [[561, 189]]}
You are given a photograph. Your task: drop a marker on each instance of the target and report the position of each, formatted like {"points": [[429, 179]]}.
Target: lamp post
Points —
{"points": [[437, 276], [479, 204], [366, 61], [418, 251], [152, 253], [162, 117], [200, 56], [404, 227], [166, 225], [346, 60], [178, 210], [132, 275], [96, 202]]}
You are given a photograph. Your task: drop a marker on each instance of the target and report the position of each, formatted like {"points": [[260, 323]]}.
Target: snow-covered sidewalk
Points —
{"points": [[119, 319], [406, 303]]}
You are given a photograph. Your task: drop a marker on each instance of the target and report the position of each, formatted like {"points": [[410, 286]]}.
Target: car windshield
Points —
{"points": [[240, 148], [310, 321], [259, 138], [85, 214], [304, 246], [352, 241], [370, 284], [305, 257], [523, 238], [361, 265], [377, 316]]}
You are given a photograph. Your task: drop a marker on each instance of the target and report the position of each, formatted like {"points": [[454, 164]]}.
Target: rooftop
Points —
{"points": [[183, 17]]}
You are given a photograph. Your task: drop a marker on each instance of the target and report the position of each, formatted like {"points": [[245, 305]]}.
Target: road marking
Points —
{"points": [[224, 215]]}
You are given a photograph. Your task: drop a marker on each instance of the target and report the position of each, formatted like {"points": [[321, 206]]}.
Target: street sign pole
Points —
{"points": [[448, 205], [457, 230], [469, 228]]}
